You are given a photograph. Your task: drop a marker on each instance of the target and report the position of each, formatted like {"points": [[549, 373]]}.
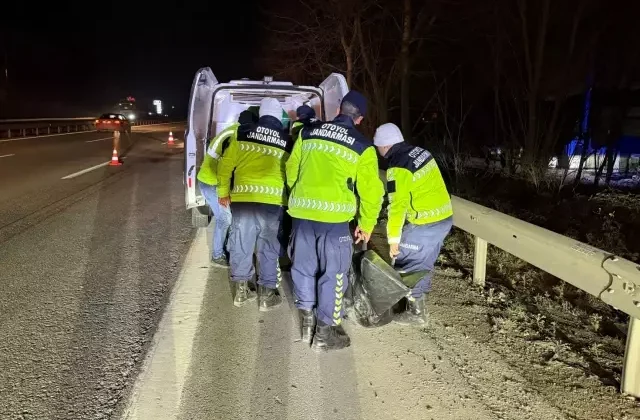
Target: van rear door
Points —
{"points": [[197, 133], [333, 88]]}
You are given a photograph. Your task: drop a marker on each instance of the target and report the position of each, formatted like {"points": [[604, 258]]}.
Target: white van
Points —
{"points": [[213, 106]]}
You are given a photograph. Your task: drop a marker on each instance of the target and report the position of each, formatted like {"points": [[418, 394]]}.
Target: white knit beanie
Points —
{"points": [[271, 106], [387, 135]]}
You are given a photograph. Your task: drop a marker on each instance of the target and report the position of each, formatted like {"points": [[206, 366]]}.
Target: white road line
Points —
{"points": [[84, 171], [13, 154], [46, 135], [158, 389], [104, 138]]}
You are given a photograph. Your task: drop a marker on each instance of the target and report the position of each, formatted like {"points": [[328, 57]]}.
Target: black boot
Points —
{"points": [[414, 314], [285, 264], [242, 293], [308, 323], [268, 299], [330, 337]]}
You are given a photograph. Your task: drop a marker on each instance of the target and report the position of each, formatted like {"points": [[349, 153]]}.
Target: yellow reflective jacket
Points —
{"points": [[417, 192]]}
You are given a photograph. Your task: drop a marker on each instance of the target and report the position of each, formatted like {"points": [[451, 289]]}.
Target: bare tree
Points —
{"points": [[538, 64], [413, 37], [453, 152]]}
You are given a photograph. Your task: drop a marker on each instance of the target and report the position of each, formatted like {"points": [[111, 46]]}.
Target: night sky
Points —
{"points": [[77, 60]]}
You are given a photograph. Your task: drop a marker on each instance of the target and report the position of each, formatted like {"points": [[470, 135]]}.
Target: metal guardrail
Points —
{"points": [[614, 280], [13, 128], [602, 274]]}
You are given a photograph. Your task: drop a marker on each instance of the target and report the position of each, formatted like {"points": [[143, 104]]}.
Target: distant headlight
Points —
{"points": [[132, 116]]}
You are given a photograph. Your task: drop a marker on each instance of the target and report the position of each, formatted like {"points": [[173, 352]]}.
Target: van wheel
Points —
{"points": [[198, 219]]}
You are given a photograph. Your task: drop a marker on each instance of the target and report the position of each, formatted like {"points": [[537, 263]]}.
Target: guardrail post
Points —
{"points": [[8, 133], [630, 383], [37, 131], [59, 129], [49, 130], [480, 262], [24, 132]]}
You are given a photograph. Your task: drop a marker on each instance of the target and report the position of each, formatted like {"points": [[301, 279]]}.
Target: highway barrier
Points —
{"points": [[612, 279], [50, 126]]}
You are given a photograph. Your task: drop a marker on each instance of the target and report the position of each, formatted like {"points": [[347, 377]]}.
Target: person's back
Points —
{"points": [[419, 214], [256, 159], [258, 154], [332, 152], [329, 162], [429, 200]]}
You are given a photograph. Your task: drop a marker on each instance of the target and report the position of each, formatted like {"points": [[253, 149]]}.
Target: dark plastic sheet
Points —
{"points": [[374, 288]]}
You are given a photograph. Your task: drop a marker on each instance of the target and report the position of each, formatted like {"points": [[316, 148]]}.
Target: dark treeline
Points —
{"points": [[462, 75]]}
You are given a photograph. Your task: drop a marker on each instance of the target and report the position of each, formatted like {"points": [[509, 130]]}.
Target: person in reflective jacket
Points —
{"points": [[419, 213], [208, 180], [256, 158], [328, 162], [305, 117]]}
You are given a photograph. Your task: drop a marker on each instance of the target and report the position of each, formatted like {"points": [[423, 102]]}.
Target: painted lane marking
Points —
{"points": [[157, 392], [84, 171], [12, 154], [104, 138]]}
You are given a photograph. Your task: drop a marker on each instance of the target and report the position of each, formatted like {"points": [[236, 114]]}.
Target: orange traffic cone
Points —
{"points": [[170, 141], [115, 161]]}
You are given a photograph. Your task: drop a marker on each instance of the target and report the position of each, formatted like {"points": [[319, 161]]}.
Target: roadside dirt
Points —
{"points": [[565, 348]]}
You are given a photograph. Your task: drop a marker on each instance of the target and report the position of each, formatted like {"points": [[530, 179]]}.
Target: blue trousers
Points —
{"points": [[222, 217], [255, 227], [321, 255], [419, 249]]}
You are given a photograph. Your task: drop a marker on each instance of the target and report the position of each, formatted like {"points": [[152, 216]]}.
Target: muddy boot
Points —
{"points": [[308, 325], [221, 262], [330, 337], [242, 293], [340, 330], [414, 314], [268, 299]]}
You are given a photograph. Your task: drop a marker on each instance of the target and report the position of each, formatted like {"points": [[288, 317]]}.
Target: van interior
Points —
{"points": [[214, 106], [228, 103]]}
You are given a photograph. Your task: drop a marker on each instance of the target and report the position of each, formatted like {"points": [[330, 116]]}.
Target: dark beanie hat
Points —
{"points": [[305, 112], [247, 117], [357, 100]]}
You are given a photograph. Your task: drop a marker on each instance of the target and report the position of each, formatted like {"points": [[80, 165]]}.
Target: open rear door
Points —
{"points": [[196, 135], [333, 88]]}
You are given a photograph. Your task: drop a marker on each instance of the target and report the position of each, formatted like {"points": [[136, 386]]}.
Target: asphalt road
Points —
{"points": [[211, 360], [31, 169], [86, 264], [109, 309]]}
